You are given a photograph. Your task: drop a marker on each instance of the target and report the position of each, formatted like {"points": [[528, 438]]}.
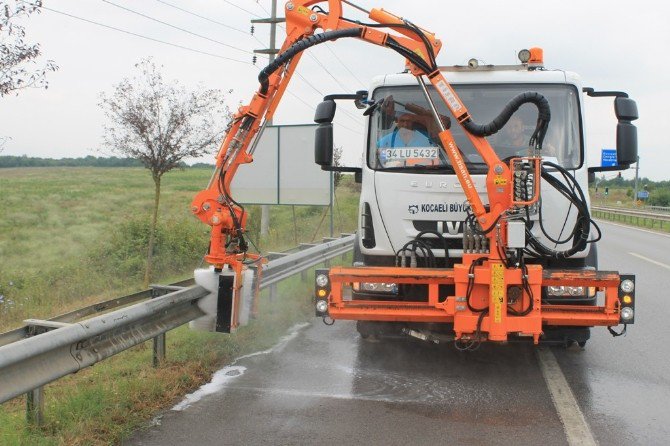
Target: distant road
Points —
{"points": [[324, 385]]}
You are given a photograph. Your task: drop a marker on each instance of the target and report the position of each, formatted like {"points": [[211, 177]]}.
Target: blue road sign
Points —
{"points": [[608, 158], [642, 194]]}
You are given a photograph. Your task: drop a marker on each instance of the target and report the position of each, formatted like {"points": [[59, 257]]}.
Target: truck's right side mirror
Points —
{"points": [[323, 137], [626, 133]]}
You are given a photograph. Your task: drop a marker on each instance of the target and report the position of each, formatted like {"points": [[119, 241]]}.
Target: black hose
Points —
{"points": [[447, 257], [574, 193], [302, 45], [543, 118]]}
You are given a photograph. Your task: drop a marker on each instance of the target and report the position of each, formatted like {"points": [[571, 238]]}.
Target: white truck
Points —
{"points": [[410, 191], [466, 231]]}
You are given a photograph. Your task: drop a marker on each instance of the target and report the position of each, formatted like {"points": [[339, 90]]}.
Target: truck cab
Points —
{"points": [[410, 190]]}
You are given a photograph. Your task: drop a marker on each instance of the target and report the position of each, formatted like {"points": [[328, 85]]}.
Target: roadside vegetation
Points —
{"points": [[618, 193], [75, 236]]}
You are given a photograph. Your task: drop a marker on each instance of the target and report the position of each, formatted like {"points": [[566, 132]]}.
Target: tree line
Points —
{"points": [[87, 161]]}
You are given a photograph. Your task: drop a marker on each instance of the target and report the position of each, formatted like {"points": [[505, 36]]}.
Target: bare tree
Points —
{"points": [[160, 123], [337, 161], [3, 141], [15, 54]]}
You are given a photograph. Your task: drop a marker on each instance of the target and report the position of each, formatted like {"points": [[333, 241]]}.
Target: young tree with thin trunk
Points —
{"points": [[17, 58], [160, 123]]}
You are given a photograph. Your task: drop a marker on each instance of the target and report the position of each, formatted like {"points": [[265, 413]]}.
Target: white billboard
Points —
{"points": [[283, 171]]}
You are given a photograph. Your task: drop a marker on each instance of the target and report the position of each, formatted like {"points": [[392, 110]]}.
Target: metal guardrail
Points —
{"points": [[658, 208], [630, 215], [43, 351]]}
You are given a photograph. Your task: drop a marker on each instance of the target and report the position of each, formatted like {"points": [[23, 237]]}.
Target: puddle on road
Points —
{"points": [[223, 376]]}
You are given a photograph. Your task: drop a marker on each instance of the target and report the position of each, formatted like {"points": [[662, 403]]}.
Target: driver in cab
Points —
{"points": [[404, 136]]}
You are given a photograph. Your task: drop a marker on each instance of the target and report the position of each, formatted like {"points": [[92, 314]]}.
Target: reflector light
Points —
{"points": [[627, 286], [321, 306], [322, 293], [322, 280], [627, 300], [627, 313]]}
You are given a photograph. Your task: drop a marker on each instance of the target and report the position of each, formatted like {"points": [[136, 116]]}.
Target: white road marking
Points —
{"points": [[655, 262], [662, 234], [576, 429]]}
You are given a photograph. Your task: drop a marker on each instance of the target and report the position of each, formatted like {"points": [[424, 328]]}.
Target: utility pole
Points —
{"points": [[271, 52], [637, 169]]}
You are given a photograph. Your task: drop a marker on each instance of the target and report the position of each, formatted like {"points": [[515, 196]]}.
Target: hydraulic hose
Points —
{"points": [[544, 116], [302, 45], [580, 233]]}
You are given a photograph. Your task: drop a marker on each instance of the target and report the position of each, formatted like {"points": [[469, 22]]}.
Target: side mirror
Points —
{"points": [[325, 112], [323, 144], [625, 109], [323, 137], [626, 133]]}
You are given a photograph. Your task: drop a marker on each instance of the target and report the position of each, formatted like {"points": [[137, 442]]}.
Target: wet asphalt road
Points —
{"points": [[324, 385]]}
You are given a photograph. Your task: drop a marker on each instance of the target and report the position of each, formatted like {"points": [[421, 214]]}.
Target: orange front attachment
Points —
{"points": [[491, 287]]}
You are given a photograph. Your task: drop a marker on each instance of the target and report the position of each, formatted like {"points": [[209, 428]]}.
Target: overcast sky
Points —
{"points": [[613, 45]]}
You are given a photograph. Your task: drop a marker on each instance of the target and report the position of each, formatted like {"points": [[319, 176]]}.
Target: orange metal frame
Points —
{"points": [[499, 323], [213, 208]]}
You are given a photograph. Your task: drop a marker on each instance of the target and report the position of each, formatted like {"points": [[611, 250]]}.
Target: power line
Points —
{"points": [[202, 17], [139, 35], [327, 71], [245, 10], [327, 45], [247, 33], [260, 5], [346, 112], [177, 27]]}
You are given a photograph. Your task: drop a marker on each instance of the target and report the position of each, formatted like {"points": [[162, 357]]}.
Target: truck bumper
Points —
{"points": [[487, 291]]}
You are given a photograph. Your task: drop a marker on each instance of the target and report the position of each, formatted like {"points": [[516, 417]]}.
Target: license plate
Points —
{"points": [[426, 153]]}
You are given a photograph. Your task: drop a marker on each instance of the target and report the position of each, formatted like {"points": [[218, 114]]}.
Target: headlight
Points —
{"points": [[321, 306], [565, 291], [627, 286], [322, 280], [556, 290], [627, 314], [576, 290], [379, 287]]}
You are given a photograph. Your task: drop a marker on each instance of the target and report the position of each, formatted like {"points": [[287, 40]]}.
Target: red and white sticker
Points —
{"points": [[449, 96]]}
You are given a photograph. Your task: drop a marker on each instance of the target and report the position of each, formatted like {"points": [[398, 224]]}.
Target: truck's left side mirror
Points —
{"points": [[323, 137], [626, 133]]}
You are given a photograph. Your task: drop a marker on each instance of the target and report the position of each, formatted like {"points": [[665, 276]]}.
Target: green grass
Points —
{"points": [[70, 237], [106, 402], [618, 198], [74, 236]]}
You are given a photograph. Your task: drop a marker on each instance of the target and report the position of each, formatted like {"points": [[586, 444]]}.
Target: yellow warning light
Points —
{"points": [[321, 293], [627, 300]]}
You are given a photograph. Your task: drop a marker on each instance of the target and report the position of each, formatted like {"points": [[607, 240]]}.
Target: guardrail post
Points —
{"points": [[159, 341], [159, 350], [273, 292], [35, 407], [303, 276]]}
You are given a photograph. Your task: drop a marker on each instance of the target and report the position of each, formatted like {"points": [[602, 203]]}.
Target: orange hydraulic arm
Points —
{"points": [[214, 205], [481, 281]]}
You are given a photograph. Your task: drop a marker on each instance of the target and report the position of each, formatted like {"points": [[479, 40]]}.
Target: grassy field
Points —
{"points": [[70, 236], [74, 236]]}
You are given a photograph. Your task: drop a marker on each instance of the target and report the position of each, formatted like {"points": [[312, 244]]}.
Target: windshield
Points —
{"points": [[403, 132]]}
